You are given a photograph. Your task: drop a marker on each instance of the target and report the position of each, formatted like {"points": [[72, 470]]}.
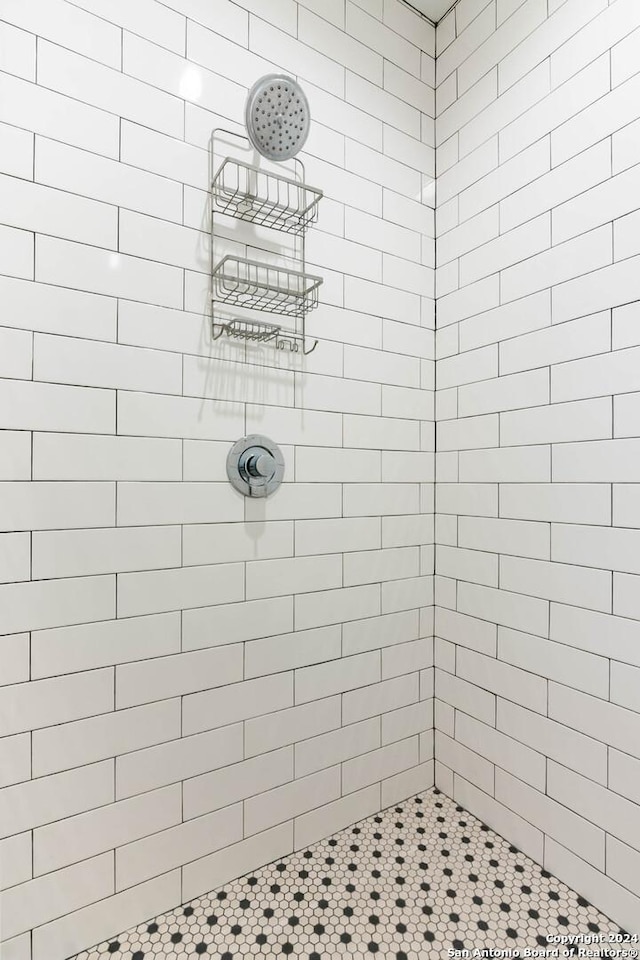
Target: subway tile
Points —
{"points": [[17, 152], [610, 286], [551, 816], [602, 547], [625, 150], [511, 175], [66, 553], [596, 718], [336, 677], [43, 899], [561, 502], [605, 461], [14, 659], [556, 345], [46, 799], [15, 455], [266, 40], [547, 658], [336, 536], [407, 721], [372, 767], [289, 651], [504, 607], [594, 802], [625, 595], [506, 465], [561, 582], [504, 536], [387, 43], [335, 43], [149, 18], [506, 753], [557, 423], [234, 783], [603, 375], [177, 760], [554, 740], [16, 853], [216, 625], [473, 499], [509, 104], [42, 506], [17, 253], [268, 578], [189, 841], [15, 557], [42, 703], [235, 702], [597, 633], [108, 89], [502, 679], [623, 775], [378, 632], [173, 676], [100, 271], [164, 590], [57, 310], [15, 759], [336, 746], [284, 727], [510, 392], [42, 604], [608, 114], [67, 456], [555, 190], [52, 114], [557, 110], [89, 646], [291, 800], [470, 697], [110, 734], [87, 834], [464, 762], [219, 542], [34, 207]]}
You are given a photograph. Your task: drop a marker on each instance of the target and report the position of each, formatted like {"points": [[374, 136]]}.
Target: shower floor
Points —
{"points": [[413, 882]]}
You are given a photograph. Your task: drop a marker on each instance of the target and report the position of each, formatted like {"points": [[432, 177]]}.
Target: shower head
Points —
{"points": [[277, 116]]}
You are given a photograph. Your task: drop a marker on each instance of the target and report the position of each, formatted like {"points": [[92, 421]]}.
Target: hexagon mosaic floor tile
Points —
{"points": [[414, 882]]}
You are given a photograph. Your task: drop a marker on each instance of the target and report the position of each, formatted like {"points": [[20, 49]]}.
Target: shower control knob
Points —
{"points": [[255, 466], [260, 464]]}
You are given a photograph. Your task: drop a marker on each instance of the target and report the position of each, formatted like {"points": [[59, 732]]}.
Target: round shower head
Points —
{"points": [[277, 117]]}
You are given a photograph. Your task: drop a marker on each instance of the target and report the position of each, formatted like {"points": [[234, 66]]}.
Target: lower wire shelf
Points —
{"points": [[260, 286], [259, 331]]}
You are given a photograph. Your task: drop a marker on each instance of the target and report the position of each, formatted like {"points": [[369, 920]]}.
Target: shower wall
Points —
{"points": [[192, 684], [538, 406]]}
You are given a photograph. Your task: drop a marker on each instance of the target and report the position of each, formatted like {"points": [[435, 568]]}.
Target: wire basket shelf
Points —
{"points": [[257, 331], [248, 193], [261, 286]]}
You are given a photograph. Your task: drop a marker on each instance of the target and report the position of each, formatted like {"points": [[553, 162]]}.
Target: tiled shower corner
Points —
{"points": [[415, 881]]}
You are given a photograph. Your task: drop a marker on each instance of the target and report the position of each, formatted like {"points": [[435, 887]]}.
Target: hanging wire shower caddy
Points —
{"points": [[286, 204]]}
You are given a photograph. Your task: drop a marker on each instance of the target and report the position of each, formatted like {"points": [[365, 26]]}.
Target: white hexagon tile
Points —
{"points": [[413, 882]]}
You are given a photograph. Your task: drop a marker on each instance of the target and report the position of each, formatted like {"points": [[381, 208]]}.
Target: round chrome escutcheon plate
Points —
{"points": [[255, 466]]}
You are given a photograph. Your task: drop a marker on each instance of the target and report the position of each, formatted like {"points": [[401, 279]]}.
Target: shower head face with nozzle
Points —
{"points": [[277, 117]]}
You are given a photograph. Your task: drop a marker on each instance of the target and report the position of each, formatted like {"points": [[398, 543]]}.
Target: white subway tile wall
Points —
{"points": [[191, 683], [537, 383]]}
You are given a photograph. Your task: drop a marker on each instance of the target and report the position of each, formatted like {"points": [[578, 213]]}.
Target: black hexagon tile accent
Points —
{"points": [[412, 882]]}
